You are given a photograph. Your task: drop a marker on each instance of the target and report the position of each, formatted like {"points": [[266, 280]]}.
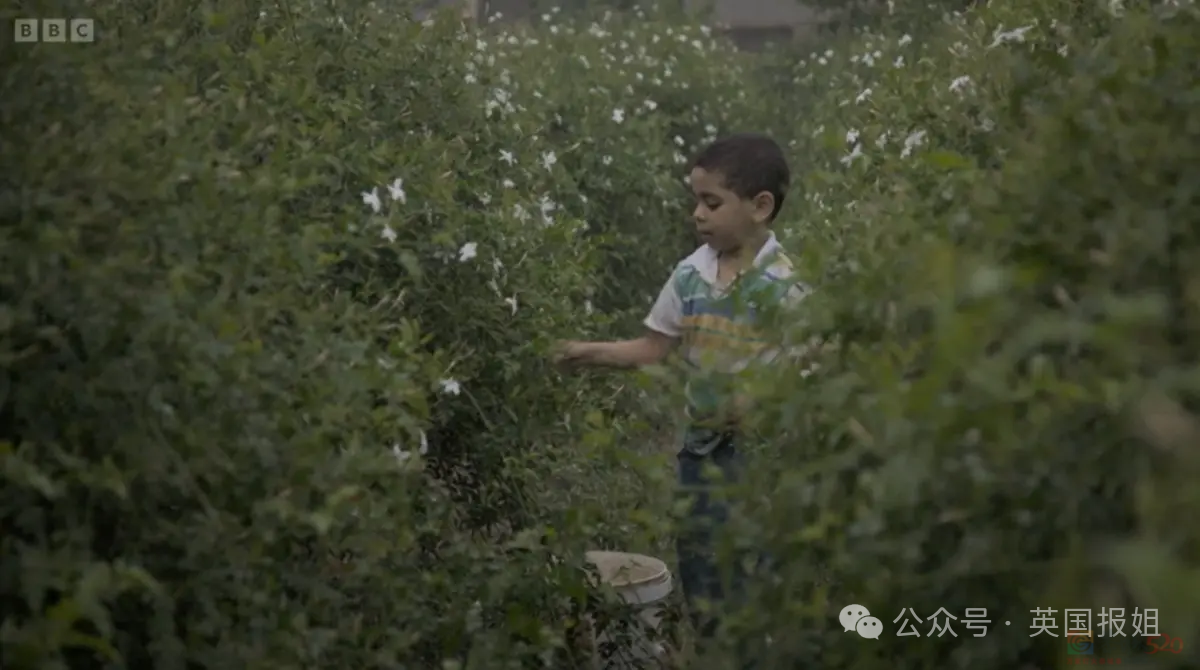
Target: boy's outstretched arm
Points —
{"points": [[664, 328], [649, 349]]}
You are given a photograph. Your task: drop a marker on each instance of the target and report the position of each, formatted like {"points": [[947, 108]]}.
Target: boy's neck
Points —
{"points": [[743, 256]]}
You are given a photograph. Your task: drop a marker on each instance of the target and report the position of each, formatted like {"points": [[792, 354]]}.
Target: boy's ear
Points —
{"points": [[762, 206]]}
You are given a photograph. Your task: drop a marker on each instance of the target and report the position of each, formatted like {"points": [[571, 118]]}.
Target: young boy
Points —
{"points": [[739, 183]]}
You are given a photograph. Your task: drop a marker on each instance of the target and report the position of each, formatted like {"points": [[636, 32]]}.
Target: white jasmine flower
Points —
{"points": [[396, 191], [467, 252], [371, 199]]}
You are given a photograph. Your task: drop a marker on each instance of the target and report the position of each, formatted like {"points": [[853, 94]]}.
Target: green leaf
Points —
{"points": [[948, 160]]}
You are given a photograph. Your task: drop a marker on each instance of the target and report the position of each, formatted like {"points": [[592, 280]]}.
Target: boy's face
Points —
{"points": [[724, 220]]}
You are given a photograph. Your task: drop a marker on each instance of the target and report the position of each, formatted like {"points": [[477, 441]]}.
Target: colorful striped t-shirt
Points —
{"points": [[719, 325]]}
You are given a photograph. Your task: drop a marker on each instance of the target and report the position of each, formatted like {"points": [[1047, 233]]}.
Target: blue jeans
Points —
{"points": [[696, 540]]}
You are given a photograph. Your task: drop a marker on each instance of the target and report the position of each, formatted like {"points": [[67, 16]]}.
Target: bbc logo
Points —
{"points": [[54, 30]]}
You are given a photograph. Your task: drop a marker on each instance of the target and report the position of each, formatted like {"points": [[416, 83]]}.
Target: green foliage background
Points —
{"points": [[246, 420]]}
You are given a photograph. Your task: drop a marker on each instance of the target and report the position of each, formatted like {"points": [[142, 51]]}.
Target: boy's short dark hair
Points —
{"points": [[750, 163]]}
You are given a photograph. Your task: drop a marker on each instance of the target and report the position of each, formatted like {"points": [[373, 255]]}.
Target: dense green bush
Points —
{"points": [[278, 283], [256, 259], [999, 218]]}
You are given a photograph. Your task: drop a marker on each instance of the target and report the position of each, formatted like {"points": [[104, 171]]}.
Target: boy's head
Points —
{"points": [[739, 182]]}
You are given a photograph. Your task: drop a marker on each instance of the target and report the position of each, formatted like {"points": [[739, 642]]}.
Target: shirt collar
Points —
{"points": [[708, 269]]}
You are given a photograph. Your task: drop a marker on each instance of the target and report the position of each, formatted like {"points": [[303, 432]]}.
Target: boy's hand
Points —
{"points": [[567, 353], [646, 350], [737, 412]]}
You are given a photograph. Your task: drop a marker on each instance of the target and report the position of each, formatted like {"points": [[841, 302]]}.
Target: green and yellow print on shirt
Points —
{"points": [[719, 326]]}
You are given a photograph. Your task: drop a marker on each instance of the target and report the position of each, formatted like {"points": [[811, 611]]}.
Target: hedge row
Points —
{"points": [[278, 282], [1001, 214]]}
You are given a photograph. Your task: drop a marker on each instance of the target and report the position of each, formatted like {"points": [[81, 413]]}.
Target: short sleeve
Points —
{"points": [[666, 316]]}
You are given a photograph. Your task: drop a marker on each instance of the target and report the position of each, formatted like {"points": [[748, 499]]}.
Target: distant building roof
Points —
{"points": [[756, 13]]}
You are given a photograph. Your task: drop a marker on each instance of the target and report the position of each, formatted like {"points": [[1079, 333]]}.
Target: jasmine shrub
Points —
{"points": [[278, 284], [996, 213]]}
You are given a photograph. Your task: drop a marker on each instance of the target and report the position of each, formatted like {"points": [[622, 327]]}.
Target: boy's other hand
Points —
{"points": [[736, 414]]}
